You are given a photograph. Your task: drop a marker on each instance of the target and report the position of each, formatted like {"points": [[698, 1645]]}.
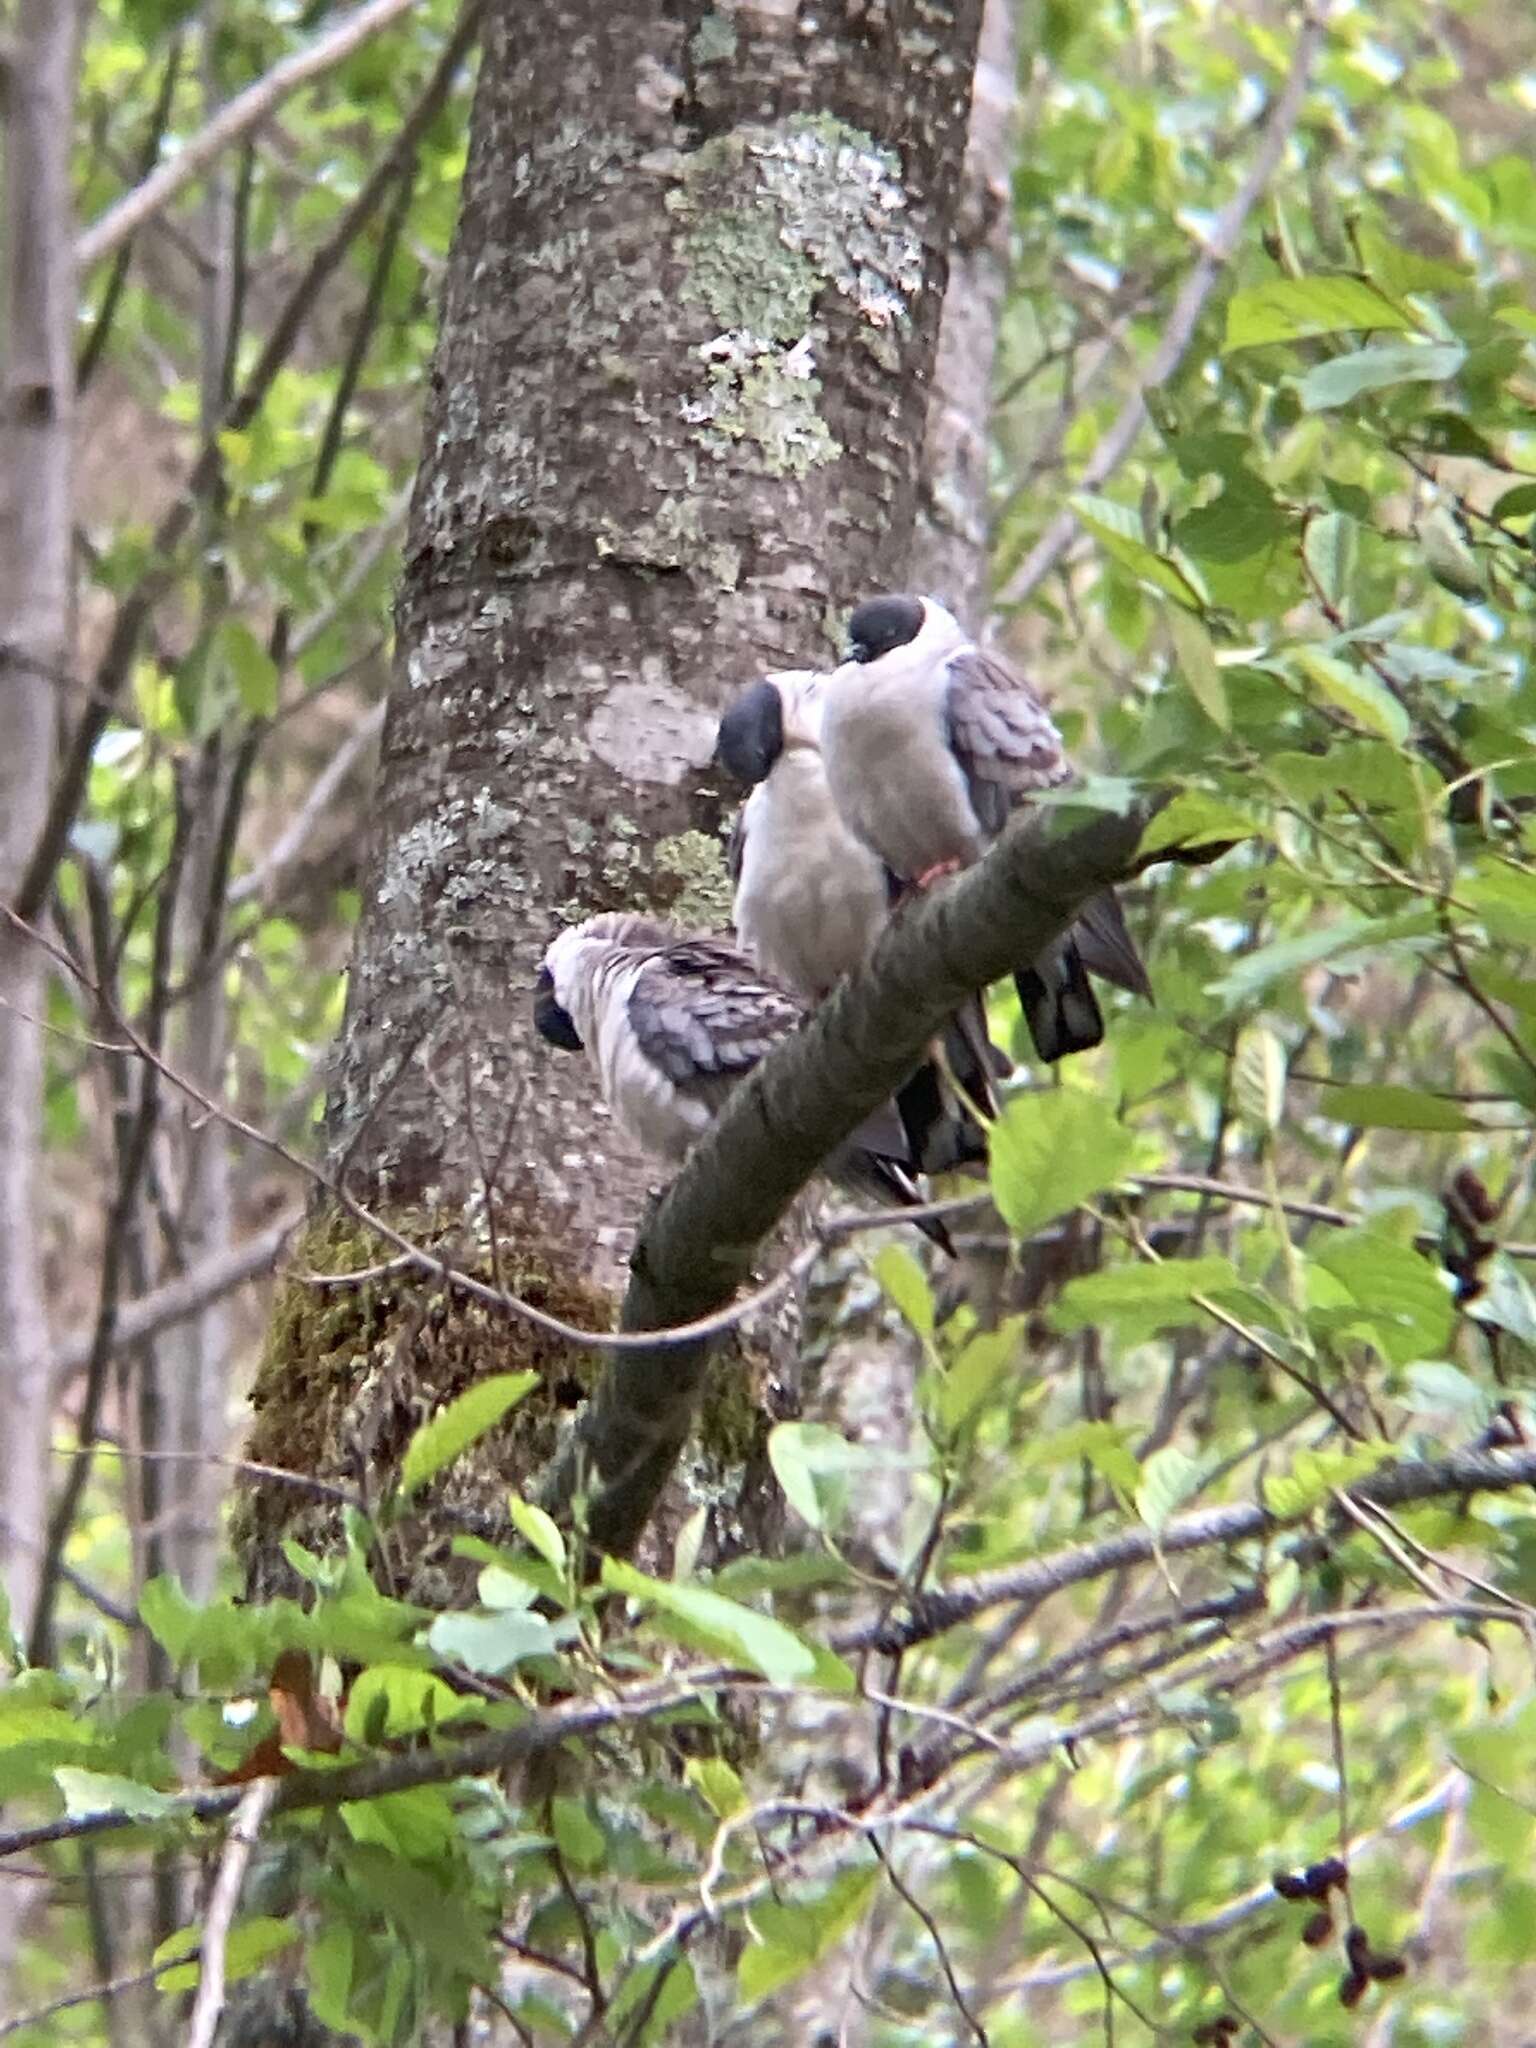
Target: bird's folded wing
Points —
{"points": [[701, 1014], [1001, 735]]}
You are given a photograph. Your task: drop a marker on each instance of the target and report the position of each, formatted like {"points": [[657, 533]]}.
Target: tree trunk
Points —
{"points": [[35, 535], [675, 428], [35, 603]]}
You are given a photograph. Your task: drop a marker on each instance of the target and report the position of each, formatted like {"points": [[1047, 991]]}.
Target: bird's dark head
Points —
{"points": [[751, 735], [881, 623], [549, 1019]]}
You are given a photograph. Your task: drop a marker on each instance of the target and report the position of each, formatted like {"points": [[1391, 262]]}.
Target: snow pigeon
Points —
{"points": [[672, 1021], [930, 742], [811, 899]]}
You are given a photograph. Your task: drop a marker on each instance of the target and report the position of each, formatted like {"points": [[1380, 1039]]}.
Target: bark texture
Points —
{"points": [[675, 429], [35, 592], [949, 553]]}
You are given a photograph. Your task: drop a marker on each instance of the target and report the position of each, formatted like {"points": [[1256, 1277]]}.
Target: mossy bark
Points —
{"points": [[675, 429]]}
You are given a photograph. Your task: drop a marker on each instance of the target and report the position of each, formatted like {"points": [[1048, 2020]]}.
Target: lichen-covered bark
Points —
{"points": [[674, 430], [676, 420]]}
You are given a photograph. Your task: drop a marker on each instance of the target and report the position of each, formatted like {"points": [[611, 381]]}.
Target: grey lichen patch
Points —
{"points": [[650, 732], [764, 395], [704, 887], [575, 156], [776, 216], [713, 41]]}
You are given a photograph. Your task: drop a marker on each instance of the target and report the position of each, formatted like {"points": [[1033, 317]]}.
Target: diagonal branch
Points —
{"points": [[233, 120], [698, 1246]]}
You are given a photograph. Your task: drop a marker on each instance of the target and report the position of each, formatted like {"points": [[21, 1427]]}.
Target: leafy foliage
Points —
{"points": [[1251, 1253]]}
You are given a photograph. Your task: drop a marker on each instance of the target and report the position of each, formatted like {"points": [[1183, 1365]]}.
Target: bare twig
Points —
{"points": [[250, 1816], [233, 120]]}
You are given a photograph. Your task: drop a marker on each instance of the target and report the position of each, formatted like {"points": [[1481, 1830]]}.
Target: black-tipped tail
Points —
{"points": [[1058, 1002]]}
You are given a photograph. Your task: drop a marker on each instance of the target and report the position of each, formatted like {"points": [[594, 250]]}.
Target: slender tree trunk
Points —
{"points": [[35, 604], [676, 425]]}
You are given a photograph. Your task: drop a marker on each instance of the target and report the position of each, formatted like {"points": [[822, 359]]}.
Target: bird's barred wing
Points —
{"points": [[702, 1013], [1001, 735]]}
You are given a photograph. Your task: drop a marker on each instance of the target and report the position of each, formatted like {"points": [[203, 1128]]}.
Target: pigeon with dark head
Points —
{"points": [[930, 743], [672, 1022]]}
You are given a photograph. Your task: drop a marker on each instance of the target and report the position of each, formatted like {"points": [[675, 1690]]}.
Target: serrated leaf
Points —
{"points": [[1330, 547], [737, 1632], [717, 1785], [1241, 523], [1403, 1297], [1196, 658], [1313, 1475], [1384, 1106], [1117, 528], [1169, 1477], [905, 1285], [1364, 697], [451, 1432], [391, 1700], [1335, 383], [538, 1531], [1258, 1077], [1293, 308], [1051, 1152]]}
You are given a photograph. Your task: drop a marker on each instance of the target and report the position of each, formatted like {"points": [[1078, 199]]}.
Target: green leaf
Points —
{"points": [[1399, 270], [717, 1785], [538, 1530], [419, 1824], [1293, 308], [1118, 530], [1514, 504], [1169, 1477], [1451, 562], [788, 1939], [580, 1840], [970, 1377], [678, 1995], [1258, 1078], [1242, 522], [813, 1464], [249, 666], [390, 1700], [1313, 1476], [249, 1943], [1405, 1300], [1335, 383], [1331, 546], [735, 1632], [1050, 1152], [451, 1432], [1386, 1107], [491, 1643], [905, 1285], [1355, 691], [1194, 818], [1196, 658], [1139, 1300], [100, 1792]]}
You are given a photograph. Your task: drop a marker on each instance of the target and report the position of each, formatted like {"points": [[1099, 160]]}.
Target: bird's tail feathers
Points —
{"points": [[876, 1173], [1058, 1002], [1106, 946]]}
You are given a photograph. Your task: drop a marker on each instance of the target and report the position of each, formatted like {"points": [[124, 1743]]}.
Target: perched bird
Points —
{"points": [[811, 899], [930, 742], [673, 1021]]}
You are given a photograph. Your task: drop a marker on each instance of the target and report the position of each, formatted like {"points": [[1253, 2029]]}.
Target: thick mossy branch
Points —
{"points": [[698, 1245]]}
